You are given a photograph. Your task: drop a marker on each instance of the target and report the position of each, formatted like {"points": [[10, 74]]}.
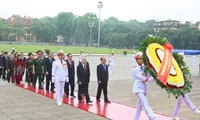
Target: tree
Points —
{"points": [[18, 29], [2, 29], [66, 24], [82, 31], [44, 29]]}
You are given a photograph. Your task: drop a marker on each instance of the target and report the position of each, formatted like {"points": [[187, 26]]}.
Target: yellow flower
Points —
{"points": [[155, 55]]}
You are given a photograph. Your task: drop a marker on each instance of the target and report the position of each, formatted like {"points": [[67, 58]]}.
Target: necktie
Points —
{"points": [[141, 68], [85, 68], [70, 63], [104, 67], [61, 61]]}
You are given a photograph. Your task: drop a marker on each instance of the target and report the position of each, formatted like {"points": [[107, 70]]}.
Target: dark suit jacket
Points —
{"points": [[102, 75], [11, 65], [71, 70], [48, 65], [5, 62], [83, 77], [1, 64]]}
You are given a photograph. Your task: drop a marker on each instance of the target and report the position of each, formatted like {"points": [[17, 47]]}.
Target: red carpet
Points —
{"points": [[114, 110]]}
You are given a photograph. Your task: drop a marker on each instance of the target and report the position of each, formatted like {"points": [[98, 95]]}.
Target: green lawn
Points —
{"points": [[67, 49]]}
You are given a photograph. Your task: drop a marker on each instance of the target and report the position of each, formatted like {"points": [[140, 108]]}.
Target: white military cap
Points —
{"points": [[138, 55], [60, 52]]}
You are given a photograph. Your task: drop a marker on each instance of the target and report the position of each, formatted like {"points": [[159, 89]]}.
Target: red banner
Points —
{"points": [[166, 64]]}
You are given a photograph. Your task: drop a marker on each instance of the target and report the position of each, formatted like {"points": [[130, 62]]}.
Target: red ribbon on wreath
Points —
{"points": [[166, 64]]}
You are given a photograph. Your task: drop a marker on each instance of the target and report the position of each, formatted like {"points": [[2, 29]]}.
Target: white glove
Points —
{"points": [[150, 79], [67, 80], [53, 80]]}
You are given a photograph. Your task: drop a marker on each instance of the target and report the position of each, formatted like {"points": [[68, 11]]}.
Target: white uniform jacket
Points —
{"points": [[140, 79], [60, 71], [111, 60]]}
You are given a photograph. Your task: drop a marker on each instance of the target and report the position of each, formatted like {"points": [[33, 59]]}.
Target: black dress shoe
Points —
{"points": [[89, 102], [47, 91], [73, 96], [52, 91], [98, 100], [80, 101], [107, 101]]}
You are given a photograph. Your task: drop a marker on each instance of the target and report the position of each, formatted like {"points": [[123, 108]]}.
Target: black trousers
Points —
{"points": [[43, 78], [1, 70], [72, 85], [4, 74], [83, 89], [10, 75], [105, 92], [48, 81], [39, 77], [29, 77]]}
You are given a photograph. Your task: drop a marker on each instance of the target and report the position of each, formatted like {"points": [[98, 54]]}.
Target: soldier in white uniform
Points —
{"points": [[81, 55], [111, 63], [140, 88], [133, 58], [60, 76], [186, 99]]}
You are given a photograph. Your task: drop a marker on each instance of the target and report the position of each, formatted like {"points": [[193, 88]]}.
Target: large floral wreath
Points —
{"points": [[179, 80]]}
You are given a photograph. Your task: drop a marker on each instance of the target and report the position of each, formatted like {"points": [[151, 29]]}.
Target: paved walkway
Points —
{"points": [[20, 104], [113, 110]]}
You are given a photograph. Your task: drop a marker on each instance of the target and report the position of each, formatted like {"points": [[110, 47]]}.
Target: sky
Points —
{"points": [[142, 10]]}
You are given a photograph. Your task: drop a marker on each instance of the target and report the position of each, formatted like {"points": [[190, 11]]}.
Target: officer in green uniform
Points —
{"points": [[38, 69]]}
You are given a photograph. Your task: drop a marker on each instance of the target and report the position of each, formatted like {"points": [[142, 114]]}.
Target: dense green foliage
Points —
{"points": [[114, 32]]}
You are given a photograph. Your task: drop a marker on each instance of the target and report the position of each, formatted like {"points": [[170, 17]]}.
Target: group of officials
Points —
{"points": [[59, 73], [63, 75]]}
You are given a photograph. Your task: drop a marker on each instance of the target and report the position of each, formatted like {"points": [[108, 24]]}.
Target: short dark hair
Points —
{"points": [[69, 54], [39, 51], [29, 54], [101, 58]]}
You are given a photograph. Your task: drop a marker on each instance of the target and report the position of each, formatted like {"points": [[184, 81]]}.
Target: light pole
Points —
{"points": [[100, 5], [91, 25]]}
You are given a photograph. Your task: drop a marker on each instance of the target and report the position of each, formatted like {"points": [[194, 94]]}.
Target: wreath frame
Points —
{"points": [[184, 68]]}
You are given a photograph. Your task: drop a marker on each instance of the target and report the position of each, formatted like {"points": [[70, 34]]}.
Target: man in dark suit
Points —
{"points": [[83, 74], [10, 70], [71, 74], [44, 60], [1, 64], [24, 61], [102, 77], [48, 71], [5, 64]]}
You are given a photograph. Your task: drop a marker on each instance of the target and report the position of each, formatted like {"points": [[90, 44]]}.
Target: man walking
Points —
{"points": [[71, 73], [102, 77], [1, 64], [60, 76], [48, 71], [29, 68], [5, 65], [10, 68], [83, 75], [140, 88], [186, 99], [38, 69]]}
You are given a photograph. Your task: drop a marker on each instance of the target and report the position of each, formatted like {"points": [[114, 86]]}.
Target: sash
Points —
{"points": [[166, 64]]}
